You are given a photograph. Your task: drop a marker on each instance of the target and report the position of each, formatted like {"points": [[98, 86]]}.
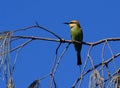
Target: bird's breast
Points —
{"points": [[76, 34]]}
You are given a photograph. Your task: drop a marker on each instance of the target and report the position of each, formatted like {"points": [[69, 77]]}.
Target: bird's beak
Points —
{"points": [[66, 23]]}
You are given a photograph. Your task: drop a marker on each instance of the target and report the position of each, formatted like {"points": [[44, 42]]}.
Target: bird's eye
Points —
{"points": [[72, 23]]}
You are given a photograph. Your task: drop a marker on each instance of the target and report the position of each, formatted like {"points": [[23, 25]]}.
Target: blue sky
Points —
{"points": [[98, 19]]}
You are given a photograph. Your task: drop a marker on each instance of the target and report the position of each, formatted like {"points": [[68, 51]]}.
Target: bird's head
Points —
{"points": [[73, 23]]}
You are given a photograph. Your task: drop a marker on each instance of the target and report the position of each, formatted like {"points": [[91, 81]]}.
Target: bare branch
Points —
{"points": [[67, 41], [57, 64], [91, 69]]}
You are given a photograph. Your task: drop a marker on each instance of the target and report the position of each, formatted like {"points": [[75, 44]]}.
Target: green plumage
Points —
{"points": [[77, 35]]}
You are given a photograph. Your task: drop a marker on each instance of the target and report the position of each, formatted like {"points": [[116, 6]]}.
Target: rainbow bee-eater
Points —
{"points": [[76, 35]]}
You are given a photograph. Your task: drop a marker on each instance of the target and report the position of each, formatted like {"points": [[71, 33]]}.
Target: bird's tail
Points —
{"points": [[79, 62]]}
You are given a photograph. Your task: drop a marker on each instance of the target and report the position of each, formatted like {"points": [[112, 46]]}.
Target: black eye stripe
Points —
{"points": [[72, 22]]}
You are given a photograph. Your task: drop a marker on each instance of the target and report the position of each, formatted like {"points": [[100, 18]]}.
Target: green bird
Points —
{"points": [[76, 35]]}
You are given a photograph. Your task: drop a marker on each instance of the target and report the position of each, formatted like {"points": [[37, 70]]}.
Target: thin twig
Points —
{"points": [[55, 58], [111, 54], [96, 66], [115, 73], [54, 63], [43, 77], [88, 57], [103, 48], [57, 64], [22, 45], [23, 29], [66, 48], [48, 31], [40, 27], [15, 60]]}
